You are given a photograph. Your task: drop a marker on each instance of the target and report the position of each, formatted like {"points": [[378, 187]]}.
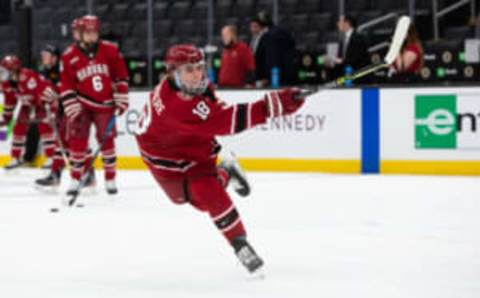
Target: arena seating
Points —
{"points": [[312, 23]]}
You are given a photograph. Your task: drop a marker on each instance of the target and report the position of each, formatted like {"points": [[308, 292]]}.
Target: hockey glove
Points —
{"points": [[283, 102], [121, 102], [72, 108]]}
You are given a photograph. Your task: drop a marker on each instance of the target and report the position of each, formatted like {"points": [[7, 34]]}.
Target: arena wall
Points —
{"points": [[401, 131]]}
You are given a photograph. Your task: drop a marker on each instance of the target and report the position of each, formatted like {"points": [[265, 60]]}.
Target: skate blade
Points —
{"points": [[47, 189], [12, 172], [258, 274]]}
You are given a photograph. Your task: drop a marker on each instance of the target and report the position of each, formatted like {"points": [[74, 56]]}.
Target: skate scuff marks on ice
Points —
{"points": [[320, 235]]}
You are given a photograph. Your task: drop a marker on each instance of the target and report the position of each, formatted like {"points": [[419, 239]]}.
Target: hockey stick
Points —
{"points": [[401, 30], [74, 197], [52, 123]]}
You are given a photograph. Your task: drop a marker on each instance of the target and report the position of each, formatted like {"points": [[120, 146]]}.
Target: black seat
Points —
{"points": [[120, 11], [160, 9], [357, 5], [308, 6], [199, 10], [224, 8], [140, 30], [162, 28], [179, 10], [185, 27], [122, 29], [291, 6], [321, 22], [298, 23], [244, 8], [137, 12]]}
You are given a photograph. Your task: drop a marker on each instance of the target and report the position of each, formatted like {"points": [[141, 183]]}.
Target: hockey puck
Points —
{"points": [[54, 210], [80, 205]]}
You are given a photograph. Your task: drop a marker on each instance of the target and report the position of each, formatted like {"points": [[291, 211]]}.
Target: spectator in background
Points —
{"points": [[238, 64], [353, 50], [274, 48], [409, 62]]}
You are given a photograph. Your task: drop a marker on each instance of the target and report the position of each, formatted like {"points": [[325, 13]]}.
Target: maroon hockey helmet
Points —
{"points": [[90, 23], [11, 63], [76, 24], [182, 54]]}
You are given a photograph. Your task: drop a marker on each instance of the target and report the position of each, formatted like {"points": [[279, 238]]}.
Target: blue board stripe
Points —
{"points": [[370, 130]]}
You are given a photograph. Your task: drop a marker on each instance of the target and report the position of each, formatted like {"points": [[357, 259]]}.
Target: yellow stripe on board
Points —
{"points": [[437, 167], [301, 165], [270, 165], [434, 167], [251, 164]]}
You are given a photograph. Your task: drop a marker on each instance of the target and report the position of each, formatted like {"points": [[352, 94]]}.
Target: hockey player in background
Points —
{"points": [[176, 136], [50, 66], [94, 87], [37, 98]]}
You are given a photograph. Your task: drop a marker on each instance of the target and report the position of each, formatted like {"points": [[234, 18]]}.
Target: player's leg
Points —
{"points": [[207, 192], [109, 156], [19, 138], [58, 159], [47, 138], [78, 132]]}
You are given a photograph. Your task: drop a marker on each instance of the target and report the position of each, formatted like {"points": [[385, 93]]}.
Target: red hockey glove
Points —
{"points": [[283, 102], [72, 108], [121, 102]]}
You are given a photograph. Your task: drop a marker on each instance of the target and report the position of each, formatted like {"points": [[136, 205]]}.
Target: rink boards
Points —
{"points": [[414, 130]]}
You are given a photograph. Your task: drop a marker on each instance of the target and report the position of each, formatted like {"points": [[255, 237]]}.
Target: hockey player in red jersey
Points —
{"points": [[52, 180], [176, 137], [94, 84], [37, 98]]}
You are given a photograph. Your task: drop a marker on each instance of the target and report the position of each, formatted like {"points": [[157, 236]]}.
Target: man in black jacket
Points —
{"points": [[353, 50], [273, 47]]}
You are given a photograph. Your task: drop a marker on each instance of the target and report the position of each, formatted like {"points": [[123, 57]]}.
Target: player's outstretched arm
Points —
{"points": [[229, 120]]}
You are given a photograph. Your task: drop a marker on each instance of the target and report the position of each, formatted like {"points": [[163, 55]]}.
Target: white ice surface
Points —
{"points": [[320, 236]]}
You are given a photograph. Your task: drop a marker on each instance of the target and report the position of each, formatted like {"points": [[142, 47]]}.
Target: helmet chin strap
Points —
{"points": [[190, 90]]}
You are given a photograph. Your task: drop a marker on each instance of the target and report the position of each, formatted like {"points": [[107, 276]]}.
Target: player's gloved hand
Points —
{"points": [[72, 108], [121, 103], [283, 102], [4, 120]]}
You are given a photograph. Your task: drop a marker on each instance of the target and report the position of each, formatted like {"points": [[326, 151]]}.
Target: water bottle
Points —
{"points": [[211, 75], [275, 77], [348, 72]]}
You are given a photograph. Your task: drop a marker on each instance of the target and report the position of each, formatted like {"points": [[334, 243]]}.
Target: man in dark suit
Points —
{"points": [[273, 47], [353, 50]]}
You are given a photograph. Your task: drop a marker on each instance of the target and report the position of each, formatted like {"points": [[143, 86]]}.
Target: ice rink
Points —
{"points": [[320, 236]]}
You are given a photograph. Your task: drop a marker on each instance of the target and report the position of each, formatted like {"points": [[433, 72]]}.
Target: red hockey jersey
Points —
{"points": [[175, 134], [93, 79], [31, 90]]}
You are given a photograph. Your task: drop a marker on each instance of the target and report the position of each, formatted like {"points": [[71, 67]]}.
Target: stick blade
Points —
{"points": [[399, 36]]}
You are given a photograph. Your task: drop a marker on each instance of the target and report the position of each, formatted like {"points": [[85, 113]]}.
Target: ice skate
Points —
{"points": [[247, 255], [111, 187], [49, 183], [14, 164]]}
